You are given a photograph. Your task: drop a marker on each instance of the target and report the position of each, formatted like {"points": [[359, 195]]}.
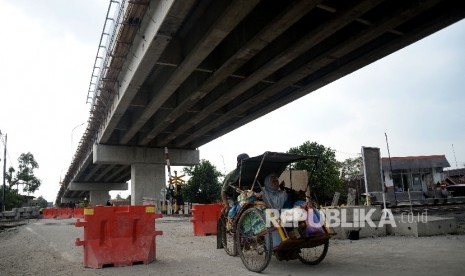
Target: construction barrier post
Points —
{"points": [[64, 213], [49, 213], [118, 235], [78, 212], [205, 218]]}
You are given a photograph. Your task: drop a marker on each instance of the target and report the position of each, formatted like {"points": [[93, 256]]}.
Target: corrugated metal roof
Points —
{"points": [[455, 172], [415, 162]]}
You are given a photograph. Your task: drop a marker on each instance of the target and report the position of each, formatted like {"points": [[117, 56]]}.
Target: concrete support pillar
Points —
{"points": [[98, 197], [147, 180], [147, 166]]}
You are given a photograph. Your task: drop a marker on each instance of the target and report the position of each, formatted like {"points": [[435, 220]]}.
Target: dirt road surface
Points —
{"points": [[46, 247]]}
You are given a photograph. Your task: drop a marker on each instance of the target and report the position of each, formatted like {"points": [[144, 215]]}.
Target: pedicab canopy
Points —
{"points": [[269, 162]]}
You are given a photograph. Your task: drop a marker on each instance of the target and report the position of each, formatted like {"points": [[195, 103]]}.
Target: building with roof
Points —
{"points": [[456, 176], [455, 180], [414, 173]]}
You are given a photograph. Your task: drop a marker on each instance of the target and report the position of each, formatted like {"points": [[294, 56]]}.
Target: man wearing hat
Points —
{"points": [[231, 179]]}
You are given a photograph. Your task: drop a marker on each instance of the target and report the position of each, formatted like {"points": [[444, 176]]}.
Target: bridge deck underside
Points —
{"points": [[222, 64]]}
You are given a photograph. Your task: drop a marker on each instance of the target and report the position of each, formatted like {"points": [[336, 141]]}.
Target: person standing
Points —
{"points": [[231, 179]]}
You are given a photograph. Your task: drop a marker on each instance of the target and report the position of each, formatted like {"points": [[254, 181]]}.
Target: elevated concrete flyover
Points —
{"points": [[180, 74]]}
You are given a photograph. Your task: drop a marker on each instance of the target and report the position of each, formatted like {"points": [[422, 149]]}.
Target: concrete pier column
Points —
{"points": [[147, 166], [98, 197], [147, 180]]}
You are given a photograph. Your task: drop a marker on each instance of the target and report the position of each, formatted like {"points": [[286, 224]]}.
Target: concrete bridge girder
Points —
{"points": [[70, 199], [99, 192], [97, 186], [127, 155], [96, 197]]}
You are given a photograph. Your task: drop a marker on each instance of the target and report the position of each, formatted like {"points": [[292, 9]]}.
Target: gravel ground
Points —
{"points": [[46, 247]]}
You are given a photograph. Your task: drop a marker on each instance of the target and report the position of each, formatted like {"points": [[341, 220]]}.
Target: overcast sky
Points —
{"points": [[47, 53]]}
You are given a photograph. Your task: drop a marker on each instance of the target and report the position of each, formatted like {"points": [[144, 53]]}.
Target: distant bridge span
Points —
{"points": [[180, 74]]}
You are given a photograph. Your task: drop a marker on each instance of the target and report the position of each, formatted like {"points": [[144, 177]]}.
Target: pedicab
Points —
{"points": [[256, 231]]}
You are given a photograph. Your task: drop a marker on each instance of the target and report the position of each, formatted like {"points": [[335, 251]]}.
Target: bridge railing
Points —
{"points": [[107, 39]]}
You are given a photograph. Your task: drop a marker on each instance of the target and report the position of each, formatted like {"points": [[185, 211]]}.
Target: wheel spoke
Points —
{"points": [[253, 241], [229, 243]]}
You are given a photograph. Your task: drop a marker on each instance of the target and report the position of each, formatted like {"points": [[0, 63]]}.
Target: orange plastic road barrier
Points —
{"points": [[64, 213], [49, 213], [78, 212], [205, 218], [118, 235]]}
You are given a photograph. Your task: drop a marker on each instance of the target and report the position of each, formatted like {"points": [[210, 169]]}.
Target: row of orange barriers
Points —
{"points": [[62, 213], [118, 235]]}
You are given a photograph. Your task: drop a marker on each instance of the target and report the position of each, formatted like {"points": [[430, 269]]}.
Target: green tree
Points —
{"points": [[41, 202], [352, 176], [351, 168], [9, 177], [324, 178], [25, 174], [203, 186], [12, 198]]}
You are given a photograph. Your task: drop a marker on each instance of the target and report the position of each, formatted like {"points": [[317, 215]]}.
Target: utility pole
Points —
{"points": [[4, 173], [390, 165], [453, 150]]}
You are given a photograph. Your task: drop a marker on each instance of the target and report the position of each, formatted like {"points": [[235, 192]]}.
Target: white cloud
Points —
{"points": [[44, 77]]}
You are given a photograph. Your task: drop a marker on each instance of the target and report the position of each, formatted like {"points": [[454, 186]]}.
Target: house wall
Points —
{"points": [[437, 176], [387, 179]]}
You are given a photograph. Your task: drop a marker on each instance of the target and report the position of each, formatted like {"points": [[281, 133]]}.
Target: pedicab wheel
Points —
{"points": [[254, 243], [314, 255], [228, 240], [229, 243]]}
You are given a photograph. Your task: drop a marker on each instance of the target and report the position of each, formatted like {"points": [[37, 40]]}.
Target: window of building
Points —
{"points": [[415, 180], [401, 180]]}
